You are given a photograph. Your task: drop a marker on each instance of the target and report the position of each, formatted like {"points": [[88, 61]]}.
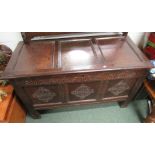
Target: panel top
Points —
{"points": [[76, 55]]}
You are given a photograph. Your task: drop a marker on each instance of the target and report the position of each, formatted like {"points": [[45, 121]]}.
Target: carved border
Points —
{"points": [[85, 77]]}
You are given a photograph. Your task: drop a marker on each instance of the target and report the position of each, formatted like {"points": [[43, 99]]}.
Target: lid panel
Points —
{"points": [[36, 56], [79, 54], [118, 53], [126, 57], [73, 56]]}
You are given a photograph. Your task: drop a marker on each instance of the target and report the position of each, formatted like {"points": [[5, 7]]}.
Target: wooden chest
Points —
{"points": [[75, 69]]}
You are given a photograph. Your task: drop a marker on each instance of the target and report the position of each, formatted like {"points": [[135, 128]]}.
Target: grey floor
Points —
{"points": [[101, 113]]}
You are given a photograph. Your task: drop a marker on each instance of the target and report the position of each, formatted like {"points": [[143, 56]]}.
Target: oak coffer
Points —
{"points": [[56, 69]]}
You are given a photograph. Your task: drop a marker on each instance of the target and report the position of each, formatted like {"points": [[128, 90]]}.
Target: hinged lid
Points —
{"points": [[74, 54]]}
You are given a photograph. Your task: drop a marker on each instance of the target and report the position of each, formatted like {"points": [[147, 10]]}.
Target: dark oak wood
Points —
{"points": [[76, 70]]}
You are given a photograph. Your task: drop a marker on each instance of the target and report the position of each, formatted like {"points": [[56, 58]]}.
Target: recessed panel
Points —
{"points": [[36, 56], [78, 54], [83, 91], [44, 94], [118, 53], [118, 88]]}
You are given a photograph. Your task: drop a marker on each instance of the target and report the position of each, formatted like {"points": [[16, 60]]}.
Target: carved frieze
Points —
{"points": [[78, 78]]}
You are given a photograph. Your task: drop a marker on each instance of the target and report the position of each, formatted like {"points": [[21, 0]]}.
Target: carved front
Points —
{"points": [[44, 94], [79, 88], [83, 91], [118, 88]]}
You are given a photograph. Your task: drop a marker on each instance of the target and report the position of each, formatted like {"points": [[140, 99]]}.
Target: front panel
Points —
{"points": [[118, 88], [83, 91], [44, 94], [59, 90]]}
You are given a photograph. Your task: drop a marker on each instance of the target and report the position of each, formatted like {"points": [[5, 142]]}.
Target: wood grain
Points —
{"points": [[76, 70]]}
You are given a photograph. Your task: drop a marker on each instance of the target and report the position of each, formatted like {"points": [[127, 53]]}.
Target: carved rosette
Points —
{"points": [[43, 94], [82, 91], [119, 88]]}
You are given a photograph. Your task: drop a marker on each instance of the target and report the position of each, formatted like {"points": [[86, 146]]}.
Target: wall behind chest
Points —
{"points": [[11, 39]]}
